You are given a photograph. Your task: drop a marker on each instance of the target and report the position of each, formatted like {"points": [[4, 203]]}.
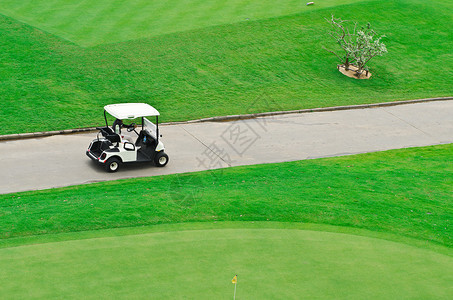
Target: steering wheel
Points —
{"points": [[131, 127]]}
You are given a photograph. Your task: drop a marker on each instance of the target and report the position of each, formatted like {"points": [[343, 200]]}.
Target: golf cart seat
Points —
{"points": [[105, 130], [108, 133], [113, 138], [145, 140]]}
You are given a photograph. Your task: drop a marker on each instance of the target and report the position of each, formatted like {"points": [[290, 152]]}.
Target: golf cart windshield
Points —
{"points": [[150, 128]]}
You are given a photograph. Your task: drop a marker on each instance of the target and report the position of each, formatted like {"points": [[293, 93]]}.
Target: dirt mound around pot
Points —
{"points": [[351, 72]]}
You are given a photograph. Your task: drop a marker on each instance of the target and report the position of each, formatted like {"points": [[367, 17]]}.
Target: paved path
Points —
{"points": [[61, 161]]}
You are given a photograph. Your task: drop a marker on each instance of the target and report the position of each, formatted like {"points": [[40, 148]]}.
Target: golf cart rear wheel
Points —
{"points": [[161, 159], [112, 164]]}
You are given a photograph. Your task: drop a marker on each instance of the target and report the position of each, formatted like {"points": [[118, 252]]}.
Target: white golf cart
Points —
{"points": [[111, 148]]}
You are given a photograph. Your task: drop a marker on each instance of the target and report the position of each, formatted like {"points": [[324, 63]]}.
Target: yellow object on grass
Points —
{"points": [[235, 279]]}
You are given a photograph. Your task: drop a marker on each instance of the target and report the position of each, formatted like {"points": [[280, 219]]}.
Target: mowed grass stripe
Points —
{"points": [[82, 19], [150, 17], [105, 21]]}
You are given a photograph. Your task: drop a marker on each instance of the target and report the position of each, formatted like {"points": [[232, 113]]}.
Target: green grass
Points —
{"points": [[404, 192], [50, 83], [280, 263], [315, 228], [90, 23]]}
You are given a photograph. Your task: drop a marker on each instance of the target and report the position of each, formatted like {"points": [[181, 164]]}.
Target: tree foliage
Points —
{"points": [[358, 46]]}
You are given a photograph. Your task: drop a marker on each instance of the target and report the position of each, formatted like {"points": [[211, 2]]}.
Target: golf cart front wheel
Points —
{"points": [[112, 165], [161, 159]]}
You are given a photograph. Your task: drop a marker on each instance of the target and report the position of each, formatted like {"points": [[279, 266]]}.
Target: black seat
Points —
{"points": [[109, 130], [141, 141], [108, 133], [114, 138], [105, 131]]}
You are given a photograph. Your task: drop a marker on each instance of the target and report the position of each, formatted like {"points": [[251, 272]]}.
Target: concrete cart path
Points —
{"points": [[61, 161]]}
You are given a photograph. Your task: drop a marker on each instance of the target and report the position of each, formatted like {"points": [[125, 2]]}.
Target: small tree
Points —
{"points": [[343, 38], [359, 46], [367, 47]]}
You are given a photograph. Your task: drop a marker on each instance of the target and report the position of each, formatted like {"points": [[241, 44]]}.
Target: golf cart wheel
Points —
{"points": [[112, 164], [161, 159]]}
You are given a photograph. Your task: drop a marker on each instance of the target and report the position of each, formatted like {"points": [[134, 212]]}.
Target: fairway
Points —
{"points": [[90, 23], [199, 264], [62, 61]]}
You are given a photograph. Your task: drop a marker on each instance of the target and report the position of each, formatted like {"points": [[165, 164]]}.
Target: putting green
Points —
{"points": [[199, 264]]}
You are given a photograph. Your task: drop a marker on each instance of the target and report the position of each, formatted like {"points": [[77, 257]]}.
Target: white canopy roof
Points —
{"points": [[131, 110]]}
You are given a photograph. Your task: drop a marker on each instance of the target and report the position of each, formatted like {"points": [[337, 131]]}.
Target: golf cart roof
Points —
{"points": [[131, 110]]}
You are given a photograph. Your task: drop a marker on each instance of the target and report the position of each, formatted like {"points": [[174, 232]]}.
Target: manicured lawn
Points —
{"points": [[90, 23], [373, 225], [272, 263], [219, 66], [404, 192]]}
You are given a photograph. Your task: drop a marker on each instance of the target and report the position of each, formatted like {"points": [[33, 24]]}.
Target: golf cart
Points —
{"points": [[111, 148]]}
